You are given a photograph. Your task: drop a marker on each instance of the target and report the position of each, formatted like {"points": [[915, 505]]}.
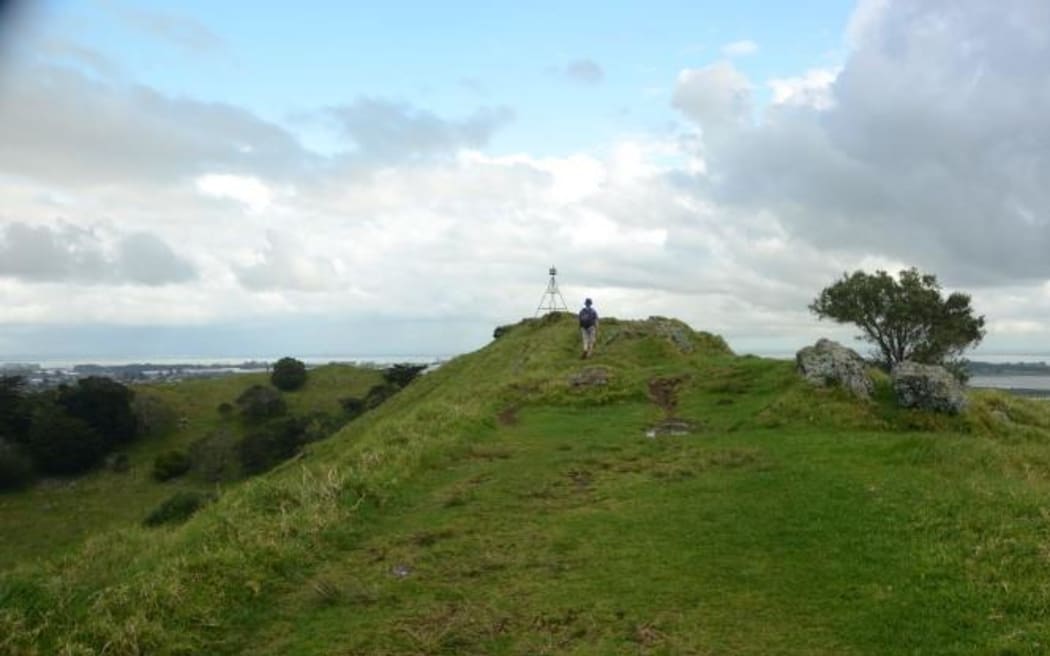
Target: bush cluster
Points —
{"points": [[271, 444], [353, 407], [403, 374], [395, 378], [177, 508], [170, 465], [259, 403], [63, 431]]}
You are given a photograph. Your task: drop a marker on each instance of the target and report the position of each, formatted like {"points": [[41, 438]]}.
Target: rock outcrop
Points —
{"points": [[928, 387], [831, 363]]}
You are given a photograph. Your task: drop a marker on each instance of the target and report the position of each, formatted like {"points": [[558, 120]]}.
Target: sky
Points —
{"points": [[232, 178]]}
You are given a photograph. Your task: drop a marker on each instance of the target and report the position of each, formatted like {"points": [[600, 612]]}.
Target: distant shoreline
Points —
{"points": [[70, 363]]}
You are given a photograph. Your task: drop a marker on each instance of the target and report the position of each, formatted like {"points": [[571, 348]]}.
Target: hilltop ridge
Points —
{"points": [[521, 500]]}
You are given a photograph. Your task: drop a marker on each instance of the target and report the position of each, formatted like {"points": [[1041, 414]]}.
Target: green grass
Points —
{"points": [[494, 507]]}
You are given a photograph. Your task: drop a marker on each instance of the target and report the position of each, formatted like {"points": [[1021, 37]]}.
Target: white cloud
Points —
{"points": [[812, 89], [248, 190], [740, 48], [716, 96], [286, 264]]}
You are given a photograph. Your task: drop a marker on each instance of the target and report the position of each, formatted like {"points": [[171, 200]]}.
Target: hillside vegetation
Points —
{"points": [[59, 513], [664, 497]]}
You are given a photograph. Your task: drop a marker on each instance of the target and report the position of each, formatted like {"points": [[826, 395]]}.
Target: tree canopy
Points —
{"points": [[905, 318], [288, 374]]}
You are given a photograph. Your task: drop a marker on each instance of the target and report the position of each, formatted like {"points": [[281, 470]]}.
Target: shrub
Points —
{"points": [[60, 444], [170, 465], [288, 374], [402, 374], [380, 393], [272, 444], [258, 403], [352, 406], [500, 331], [225, 409], [177, 508], [16, 468]]}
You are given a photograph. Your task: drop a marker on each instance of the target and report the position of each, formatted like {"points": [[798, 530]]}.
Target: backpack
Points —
{"points": [[587, 317]]}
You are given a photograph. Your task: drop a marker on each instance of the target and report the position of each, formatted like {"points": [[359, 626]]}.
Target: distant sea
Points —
{"points": [[1034, 383]]}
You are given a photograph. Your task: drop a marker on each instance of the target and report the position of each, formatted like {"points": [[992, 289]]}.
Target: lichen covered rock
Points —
{"points": [[928, 387], [830, 363]]}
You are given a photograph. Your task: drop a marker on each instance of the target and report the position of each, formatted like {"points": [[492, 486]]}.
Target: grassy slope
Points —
{"points": [[493, 508], [56, 515]]}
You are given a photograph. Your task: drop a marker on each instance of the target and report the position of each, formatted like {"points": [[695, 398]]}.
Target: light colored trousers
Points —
{"points": [[588, 335]]}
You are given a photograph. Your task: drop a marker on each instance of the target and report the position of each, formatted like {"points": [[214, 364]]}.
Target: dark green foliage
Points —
{"points": [[216, 457], [500, 331], [352, 406], [380, 393], [258, 403], [104, 404], [170, 464], [906, 319], [16, 468], [60, 444], [272, 444], [15, 415], [288, 374], [402, 374], [225, 409], [177, 508]]}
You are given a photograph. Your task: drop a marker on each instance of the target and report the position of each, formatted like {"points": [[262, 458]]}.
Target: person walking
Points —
{"points": [[588, 328]]}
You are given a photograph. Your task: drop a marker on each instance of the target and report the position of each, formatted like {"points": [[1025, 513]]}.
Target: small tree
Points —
{"points": [[906, 318], [258, 403], [288, 374]]}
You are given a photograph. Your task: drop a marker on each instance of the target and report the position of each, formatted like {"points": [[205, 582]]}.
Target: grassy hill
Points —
{"points": [[522, 501]]}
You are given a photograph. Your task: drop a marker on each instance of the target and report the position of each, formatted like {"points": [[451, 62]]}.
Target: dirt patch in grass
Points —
{"points": [[508, 416], [663, 392], [429, 538]]}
